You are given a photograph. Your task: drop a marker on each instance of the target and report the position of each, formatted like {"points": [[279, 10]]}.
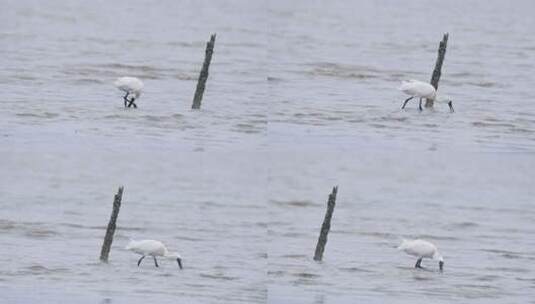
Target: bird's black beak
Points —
{"points": [[179, 261], [450, 103], [441, 265]]}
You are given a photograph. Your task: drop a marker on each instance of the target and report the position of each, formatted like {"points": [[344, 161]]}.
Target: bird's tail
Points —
{"points": [[403, 85], [130, 244], [403, 244]]}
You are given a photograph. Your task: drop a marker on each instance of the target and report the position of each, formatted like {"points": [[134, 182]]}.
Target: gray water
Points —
{"points": [[301, 97]]}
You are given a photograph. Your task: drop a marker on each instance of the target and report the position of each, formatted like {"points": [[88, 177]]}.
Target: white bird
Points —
{"points": [[422, 249], [416, 88], [152, 248], [131, 86]]}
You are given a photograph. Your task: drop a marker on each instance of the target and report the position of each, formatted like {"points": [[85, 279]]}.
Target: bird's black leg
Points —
{"points": [[155, 262], [139, 262], [418, 263], [405, 102], [125, 99], [131, 103], [420, 105]]}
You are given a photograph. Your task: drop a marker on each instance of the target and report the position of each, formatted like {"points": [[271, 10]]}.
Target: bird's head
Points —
{"points": [[446, 100], [440, 259], [450, 104], [175, 256]]}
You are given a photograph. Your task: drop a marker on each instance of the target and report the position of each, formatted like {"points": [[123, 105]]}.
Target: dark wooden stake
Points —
{"points": [[322, 240], [203, 76], [438, 67], [108, 239]]}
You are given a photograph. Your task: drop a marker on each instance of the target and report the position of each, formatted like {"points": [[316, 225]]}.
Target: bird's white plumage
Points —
{"points": [[421, 249], [147, 247], [130, 85], [152, 248], [418, 89]]}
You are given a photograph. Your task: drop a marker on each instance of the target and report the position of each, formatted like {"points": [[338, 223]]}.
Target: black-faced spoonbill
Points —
{"points": [[422, 249], [421, 89], [131, 86], [152, 248]]}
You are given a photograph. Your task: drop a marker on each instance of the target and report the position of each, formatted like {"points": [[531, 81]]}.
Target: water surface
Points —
{"points": [[301, 97]]}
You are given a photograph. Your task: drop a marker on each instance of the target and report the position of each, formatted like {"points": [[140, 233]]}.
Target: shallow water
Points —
{"points": [[301, 97]]}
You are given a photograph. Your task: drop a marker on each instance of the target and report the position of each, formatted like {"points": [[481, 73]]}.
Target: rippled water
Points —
{"points": [[301, 97]]}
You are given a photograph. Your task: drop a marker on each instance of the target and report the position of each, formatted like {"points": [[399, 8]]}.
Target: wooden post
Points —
{"points": [[203, 76], [438, 67], [108, 239], [322, 240]]}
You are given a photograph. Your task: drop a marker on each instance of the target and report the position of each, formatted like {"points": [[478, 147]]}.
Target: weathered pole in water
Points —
{"points": [[108, 239], [203, 76], [438, 67], [322, 240]]}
